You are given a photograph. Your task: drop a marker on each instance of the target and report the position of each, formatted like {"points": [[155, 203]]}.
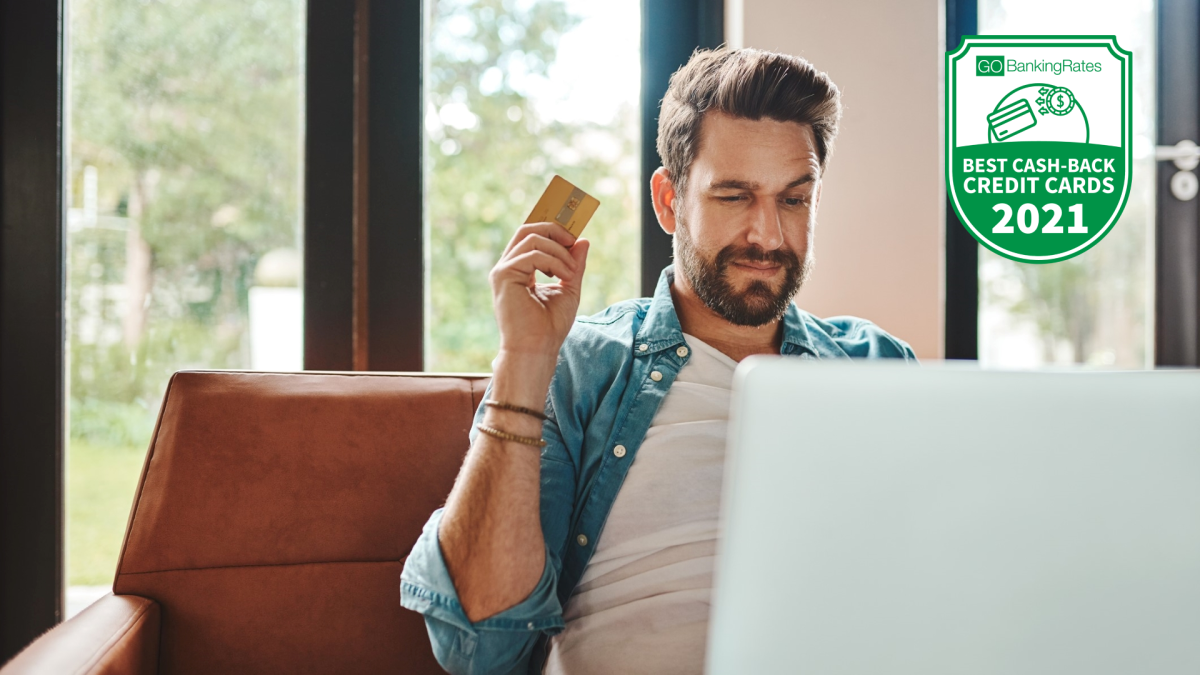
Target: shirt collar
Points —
{"points": [[661, 330]]}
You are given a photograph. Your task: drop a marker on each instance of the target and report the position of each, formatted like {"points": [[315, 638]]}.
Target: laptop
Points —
{"points": [[882, 518]]}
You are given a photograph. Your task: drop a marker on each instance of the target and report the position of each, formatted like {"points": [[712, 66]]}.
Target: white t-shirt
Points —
{"points": [[642, 604]]}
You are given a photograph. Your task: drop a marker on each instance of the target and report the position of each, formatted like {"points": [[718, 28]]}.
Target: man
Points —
{"points": [[584, 542]]}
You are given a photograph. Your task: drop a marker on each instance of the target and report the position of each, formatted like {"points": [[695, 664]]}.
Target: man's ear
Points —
{"points": [[663, 192]]}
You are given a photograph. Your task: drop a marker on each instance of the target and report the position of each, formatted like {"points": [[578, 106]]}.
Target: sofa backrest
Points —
{"points": [[275, 511]]}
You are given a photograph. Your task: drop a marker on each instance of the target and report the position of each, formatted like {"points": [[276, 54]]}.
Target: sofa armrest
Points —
{"points": [[117, 635]]}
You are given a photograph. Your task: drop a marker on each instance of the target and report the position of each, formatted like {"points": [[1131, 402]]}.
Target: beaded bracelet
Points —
{"points": [[505, 436], [515, 408]]}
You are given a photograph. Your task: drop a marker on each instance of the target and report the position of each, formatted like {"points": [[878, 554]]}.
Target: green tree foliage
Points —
{"points": [[490, 155], [190, 110]]}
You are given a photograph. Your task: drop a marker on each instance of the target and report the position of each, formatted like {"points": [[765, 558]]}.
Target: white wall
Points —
{"points": [[880, 229]]}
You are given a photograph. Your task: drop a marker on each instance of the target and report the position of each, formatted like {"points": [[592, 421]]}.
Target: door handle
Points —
{"points": [[1186, 156]]}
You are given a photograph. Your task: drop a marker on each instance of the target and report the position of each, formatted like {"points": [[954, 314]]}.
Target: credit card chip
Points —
{"points": [[565, 204]]}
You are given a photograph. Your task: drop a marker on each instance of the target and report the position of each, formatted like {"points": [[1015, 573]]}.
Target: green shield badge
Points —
{"points": [[1038, 141]]}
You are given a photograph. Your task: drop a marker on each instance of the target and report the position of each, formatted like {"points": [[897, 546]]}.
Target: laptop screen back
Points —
{"points": [[885, 518]]}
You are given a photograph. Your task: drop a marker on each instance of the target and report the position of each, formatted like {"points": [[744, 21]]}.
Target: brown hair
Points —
{"points": [[747, 83]]}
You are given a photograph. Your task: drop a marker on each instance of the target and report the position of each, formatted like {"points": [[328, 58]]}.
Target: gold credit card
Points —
{"points": [[566, 205]]}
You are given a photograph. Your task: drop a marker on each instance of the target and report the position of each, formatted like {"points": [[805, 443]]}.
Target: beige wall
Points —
{"points": [[880, 227]]}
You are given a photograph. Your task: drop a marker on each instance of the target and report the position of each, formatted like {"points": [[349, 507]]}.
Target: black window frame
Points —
{"points": [[31, 321], [961, 252]]}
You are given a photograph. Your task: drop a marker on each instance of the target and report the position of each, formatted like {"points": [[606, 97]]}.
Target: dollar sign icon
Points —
{"points": [[1060, 101]]}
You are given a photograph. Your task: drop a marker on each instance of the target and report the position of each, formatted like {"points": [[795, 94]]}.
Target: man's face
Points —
{"points": [[743, 234]]}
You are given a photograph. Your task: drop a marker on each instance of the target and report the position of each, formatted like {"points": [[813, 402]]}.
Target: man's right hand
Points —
{"points": [[534, 318]]}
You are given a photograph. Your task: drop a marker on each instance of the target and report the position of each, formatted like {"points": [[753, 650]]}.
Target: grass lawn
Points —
{"points": [[100, 485]]}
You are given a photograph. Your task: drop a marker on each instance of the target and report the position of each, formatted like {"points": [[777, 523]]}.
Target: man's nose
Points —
{"points": [[766, 228]]}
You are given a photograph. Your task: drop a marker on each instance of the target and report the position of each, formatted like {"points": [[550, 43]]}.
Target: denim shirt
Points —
{"points": [[613, 371]]}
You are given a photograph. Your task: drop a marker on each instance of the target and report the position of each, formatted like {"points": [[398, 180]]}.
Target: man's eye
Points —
{"points": [[734, 198], [794, 201]]}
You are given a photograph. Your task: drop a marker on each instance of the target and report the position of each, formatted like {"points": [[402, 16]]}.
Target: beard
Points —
{"points": [[758, 304]]}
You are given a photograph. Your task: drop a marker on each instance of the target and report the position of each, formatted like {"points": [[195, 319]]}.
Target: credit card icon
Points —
{"points": [[1011, 120]]}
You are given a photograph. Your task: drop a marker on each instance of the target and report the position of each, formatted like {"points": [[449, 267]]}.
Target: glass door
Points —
{"points": [[183, 185], [1097, 308]]}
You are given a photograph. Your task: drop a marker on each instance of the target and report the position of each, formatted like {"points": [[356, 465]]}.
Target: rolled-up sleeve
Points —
{"points": [[504, 642]]}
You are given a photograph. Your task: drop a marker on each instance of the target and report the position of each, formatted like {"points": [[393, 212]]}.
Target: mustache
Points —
{"points": [[785, 258]]}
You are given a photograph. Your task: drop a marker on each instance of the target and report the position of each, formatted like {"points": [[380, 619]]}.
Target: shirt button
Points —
{"points": [[582, 539], [656, 376], [619, 451], [529, 625], [681, 352], [643, 347]]}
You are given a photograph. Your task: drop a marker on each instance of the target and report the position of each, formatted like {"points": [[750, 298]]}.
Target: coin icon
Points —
{"points": [[1058, 100]]}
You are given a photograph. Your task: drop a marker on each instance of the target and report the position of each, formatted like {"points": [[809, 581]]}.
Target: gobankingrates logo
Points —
{"points": [[1038, 156]]}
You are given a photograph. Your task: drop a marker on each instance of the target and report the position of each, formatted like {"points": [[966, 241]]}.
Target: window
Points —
{"points": [[1097, 308], [517, 91], [183, 129], [183, 228]]}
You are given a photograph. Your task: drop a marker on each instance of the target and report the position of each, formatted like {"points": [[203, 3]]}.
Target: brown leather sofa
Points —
{"points": [[272, 518]]}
